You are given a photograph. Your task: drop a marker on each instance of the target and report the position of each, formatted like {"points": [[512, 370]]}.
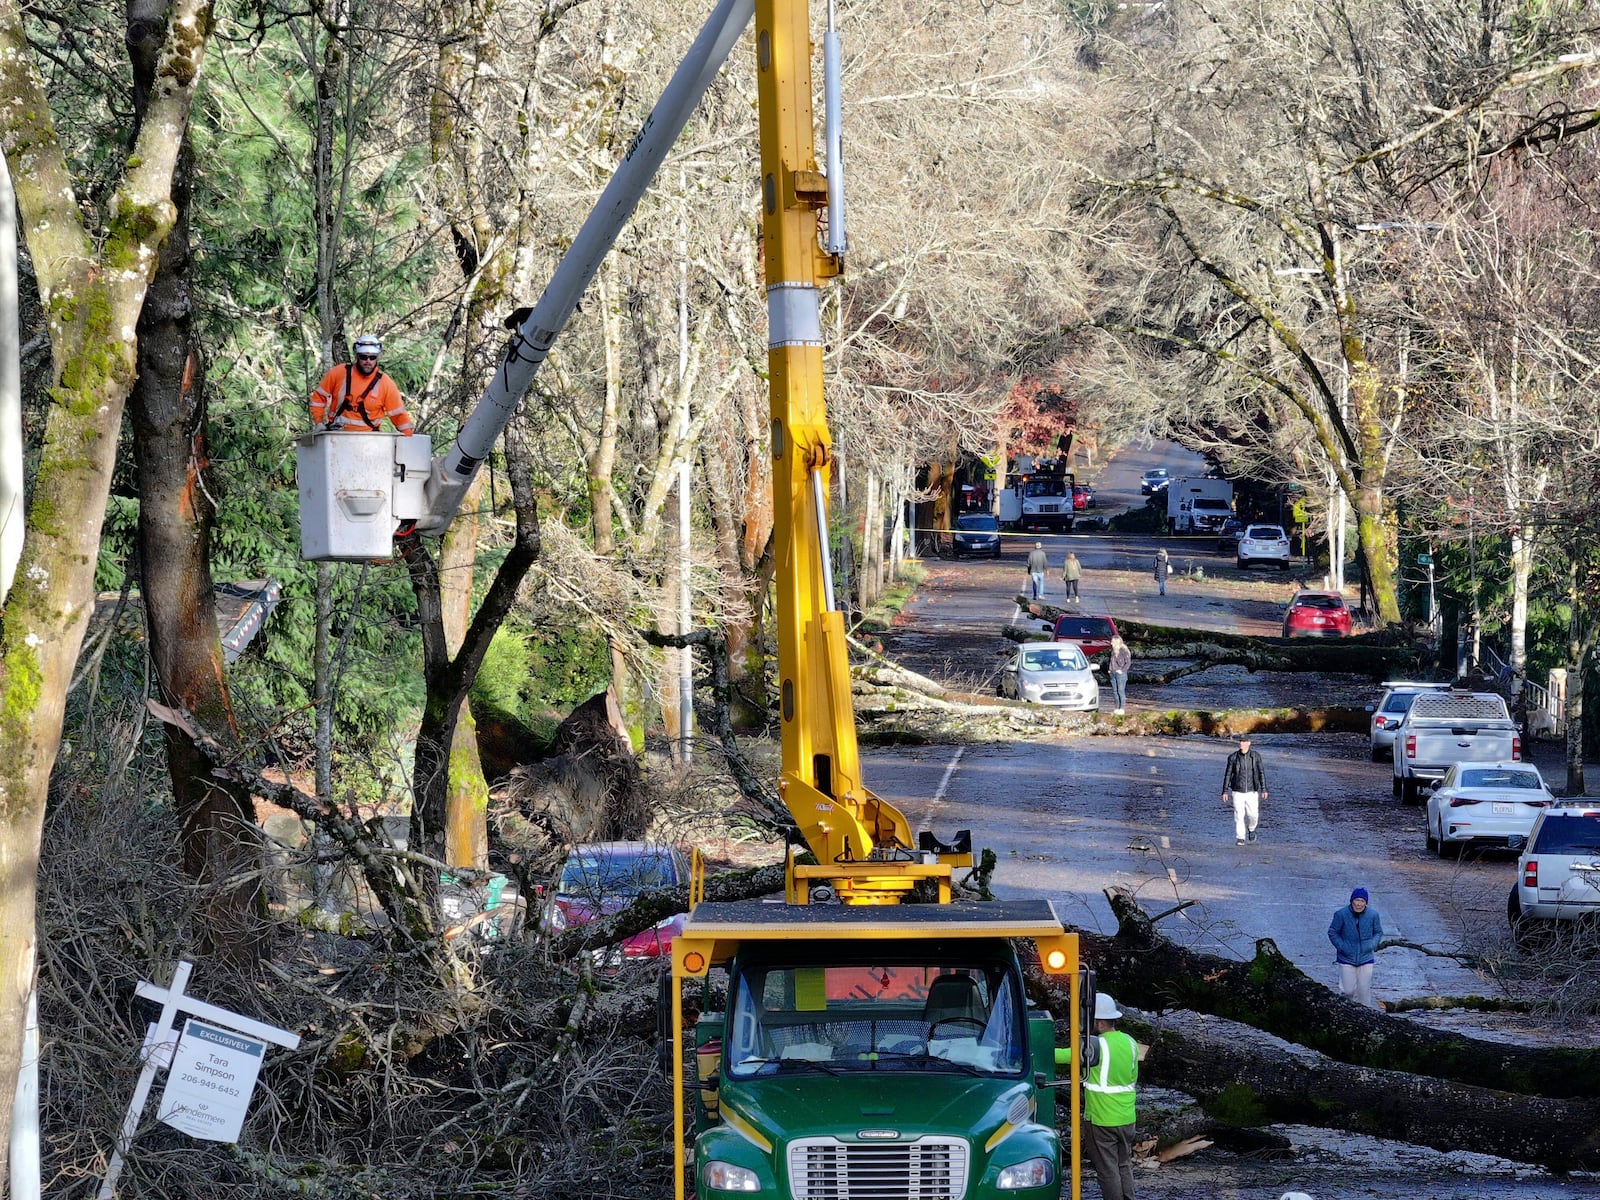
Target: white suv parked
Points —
{"points": [[1264, 543], [1558, 875]]}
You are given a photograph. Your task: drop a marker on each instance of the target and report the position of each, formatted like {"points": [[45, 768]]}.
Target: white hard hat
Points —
{"points": [[1296, 1196], [1105, 1008], [367, 344]]}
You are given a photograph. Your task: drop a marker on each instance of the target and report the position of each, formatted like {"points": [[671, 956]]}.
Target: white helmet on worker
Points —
{"points": [[368, 346], [1105, 1008]]}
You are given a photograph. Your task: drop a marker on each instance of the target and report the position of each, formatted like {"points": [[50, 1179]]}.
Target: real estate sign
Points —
{"points": [[209, 1084]]}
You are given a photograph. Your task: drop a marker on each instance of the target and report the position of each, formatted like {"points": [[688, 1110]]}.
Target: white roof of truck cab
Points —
{"points": [[752, 920]]}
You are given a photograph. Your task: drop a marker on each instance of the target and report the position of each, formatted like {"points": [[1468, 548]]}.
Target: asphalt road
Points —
{"points": [[1071, 816]]}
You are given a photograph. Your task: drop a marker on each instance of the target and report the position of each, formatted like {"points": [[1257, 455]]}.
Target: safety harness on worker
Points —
{"points": [[360, 407]]}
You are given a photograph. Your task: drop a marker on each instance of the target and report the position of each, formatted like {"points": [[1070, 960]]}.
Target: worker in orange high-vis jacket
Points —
{"points": [[356, 397]]}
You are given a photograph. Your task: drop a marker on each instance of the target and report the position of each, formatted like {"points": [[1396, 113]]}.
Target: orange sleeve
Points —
{"points": [[322, 398], [394, 408]]}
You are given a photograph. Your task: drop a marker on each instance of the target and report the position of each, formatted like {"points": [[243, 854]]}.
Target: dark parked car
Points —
{"points": [[1228, 536], [976, 533], [1092, 635]]}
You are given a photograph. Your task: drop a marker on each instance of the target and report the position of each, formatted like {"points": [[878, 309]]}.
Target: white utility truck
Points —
{"points": [[1198, 505]]}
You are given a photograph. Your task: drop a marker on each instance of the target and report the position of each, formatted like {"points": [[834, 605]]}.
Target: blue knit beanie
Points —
{"points": [[1358, 894]]}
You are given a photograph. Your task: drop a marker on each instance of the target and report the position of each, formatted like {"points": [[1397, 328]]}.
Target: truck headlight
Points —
{"points": [[1035, 1172], [722, 1176]]}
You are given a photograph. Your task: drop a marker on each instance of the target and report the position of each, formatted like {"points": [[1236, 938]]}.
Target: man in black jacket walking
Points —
{"points": [[1244, 786]]}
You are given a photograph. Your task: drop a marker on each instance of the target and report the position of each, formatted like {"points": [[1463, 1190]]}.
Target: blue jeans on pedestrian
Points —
{"points": [[1038, 584], [1119, 689]]}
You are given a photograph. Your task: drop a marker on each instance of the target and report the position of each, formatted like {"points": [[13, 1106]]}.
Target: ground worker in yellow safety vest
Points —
{"points": [[1108, 1088], [357, 397]]}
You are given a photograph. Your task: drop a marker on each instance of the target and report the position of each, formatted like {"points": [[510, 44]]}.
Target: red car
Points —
{"points": [[602, 878], [1080, 495], [1316, 614], [1092, 635]]}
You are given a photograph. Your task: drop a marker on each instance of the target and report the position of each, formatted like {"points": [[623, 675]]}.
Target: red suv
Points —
{"points": [[1316, 614], [1092, 635]]}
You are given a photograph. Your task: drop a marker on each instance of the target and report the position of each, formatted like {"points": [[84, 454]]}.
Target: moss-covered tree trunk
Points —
{"points": [[93, 287], [466, 828]]}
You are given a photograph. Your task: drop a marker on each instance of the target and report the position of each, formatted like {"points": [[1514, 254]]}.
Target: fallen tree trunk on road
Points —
{"points": [[1273, 995], [1377, 655], [1243, 1078]]}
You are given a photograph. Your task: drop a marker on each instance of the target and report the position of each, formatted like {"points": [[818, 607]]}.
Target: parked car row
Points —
{"points": [[1060, 672], [1461, 748]]}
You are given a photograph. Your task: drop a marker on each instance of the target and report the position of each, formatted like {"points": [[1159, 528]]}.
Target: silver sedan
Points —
{"points": [[1491, 804], [1053, 673]]}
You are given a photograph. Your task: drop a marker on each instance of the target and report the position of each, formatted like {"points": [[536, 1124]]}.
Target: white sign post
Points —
{"points": [[213, 1069]]}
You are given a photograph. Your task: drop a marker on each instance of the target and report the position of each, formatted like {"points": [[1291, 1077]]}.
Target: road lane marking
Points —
{"points": [[944, 782]]}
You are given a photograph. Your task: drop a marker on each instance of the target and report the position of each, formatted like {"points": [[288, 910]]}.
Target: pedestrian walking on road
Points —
{"points": [[1121, 660], [1244, 787], [1038, 564], [1355, 931], [1163, 569], [1071, 572], [1109, 1079]]}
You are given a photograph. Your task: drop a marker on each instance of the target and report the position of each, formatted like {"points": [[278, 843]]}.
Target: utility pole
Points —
{"points": [[685, 622]]}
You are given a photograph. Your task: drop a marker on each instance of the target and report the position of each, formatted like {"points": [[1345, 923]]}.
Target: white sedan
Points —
{"points": [[1492, 804], [1053, 673], [1264, 543]]}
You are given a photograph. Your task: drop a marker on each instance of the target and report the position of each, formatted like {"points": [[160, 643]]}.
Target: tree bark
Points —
{"points": [[448, 677], [1242, 1078], [1273, 995], [466, 838], [93, 288], [221, 845]]}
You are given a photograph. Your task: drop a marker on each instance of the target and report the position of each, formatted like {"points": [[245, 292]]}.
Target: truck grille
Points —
{"points": [[927, 1169]]}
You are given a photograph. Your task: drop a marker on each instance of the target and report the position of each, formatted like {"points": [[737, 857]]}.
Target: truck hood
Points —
{"points": [[908, 1103]]}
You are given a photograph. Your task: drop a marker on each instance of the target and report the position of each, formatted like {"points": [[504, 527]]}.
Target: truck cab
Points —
{"points": [[876, 1051]]}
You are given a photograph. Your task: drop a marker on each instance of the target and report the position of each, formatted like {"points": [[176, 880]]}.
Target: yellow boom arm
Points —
{"points": [[864, 846]]}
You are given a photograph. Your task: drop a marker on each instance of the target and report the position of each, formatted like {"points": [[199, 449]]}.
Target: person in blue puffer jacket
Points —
{"points": [[1355, 931]]}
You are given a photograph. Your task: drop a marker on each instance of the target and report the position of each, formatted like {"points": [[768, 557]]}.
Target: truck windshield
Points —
{"points": [[1044, 487], [844, 1019]]}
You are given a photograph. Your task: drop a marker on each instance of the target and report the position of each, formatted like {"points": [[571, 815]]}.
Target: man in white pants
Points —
{"points": [[1244, 785]]}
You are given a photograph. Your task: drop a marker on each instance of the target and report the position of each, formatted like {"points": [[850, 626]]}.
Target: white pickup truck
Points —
{"points": [[1443, 728]]}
